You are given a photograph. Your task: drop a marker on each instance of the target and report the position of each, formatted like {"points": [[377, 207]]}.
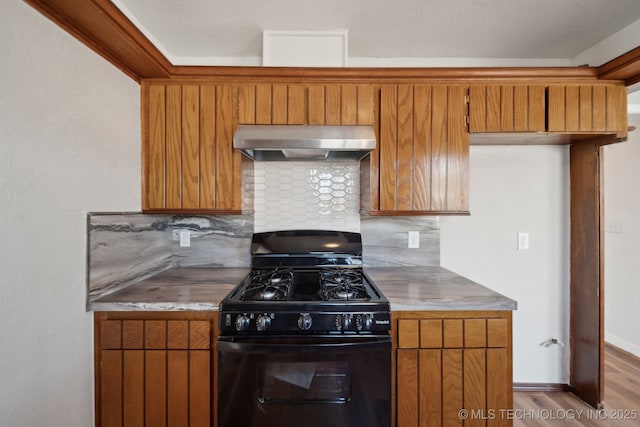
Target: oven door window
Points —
{"points": [[304, 382]]}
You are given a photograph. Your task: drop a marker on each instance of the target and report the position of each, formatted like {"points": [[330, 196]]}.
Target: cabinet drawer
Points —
{"points": [[155, 334]]}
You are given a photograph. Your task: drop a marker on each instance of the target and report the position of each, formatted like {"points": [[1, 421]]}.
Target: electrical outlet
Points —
{"points": [[414, 239], [185, 238], [523, 241]]}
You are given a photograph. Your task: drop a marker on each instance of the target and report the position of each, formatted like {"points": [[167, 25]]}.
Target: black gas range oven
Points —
{"points": [[305, 337]]}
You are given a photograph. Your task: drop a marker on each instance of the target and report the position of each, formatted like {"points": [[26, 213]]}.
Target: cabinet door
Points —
{"points": [[188, 159], [446, 363], [423, 158], [588, 108], [155, 372], [507, 108]]}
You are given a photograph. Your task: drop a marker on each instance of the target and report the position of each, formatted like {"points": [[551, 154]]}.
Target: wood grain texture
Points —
{"points": [[177, 388], [430, 388], [556, 111], [247, 104], [132, 334], [431, 333], [190, 168], [475, 385], [497, 332], [499, 389], [599, 106], [333, 105], [133, 388], [572, 108], [199, 388], [586, 317], [316, 105], [366, 105], [173, 144], [457, 176], [506, 108], [155, 334], [154, 146], [207, 155], [227, 161], [297, 105], [349, 105], [422, 148], [263, 104], [408, 333], [178, 334], [155, 388], [494, 108], [477, 108], [200, 334], [404, 161], [617, 109], [453, 333], [388, 146], [439, 137], [407, 393], [521, 108], [475, 333], [452, 387], [537, 108], [111, 334], [279, 105], [586, 108], [111, 388]]}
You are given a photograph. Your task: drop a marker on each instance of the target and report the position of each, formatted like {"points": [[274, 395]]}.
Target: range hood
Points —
{"points": [[302, 142]]}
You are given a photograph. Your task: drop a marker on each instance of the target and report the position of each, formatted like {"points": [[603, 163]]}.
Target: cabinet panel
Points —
{"points": [[407, 392], [188, 160], [423, 158], [507, 108], [162, 377], [588, 108], [453, 368]]}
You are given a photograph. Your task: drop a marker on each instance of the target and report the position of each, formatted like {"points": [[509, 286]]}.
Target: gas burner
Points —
{"points": [[268, 285], [343, 285]]}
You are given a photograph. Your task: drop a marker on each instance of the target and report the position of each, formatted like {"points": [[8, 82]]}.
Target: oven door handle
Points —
{"points": [[267, 344]]}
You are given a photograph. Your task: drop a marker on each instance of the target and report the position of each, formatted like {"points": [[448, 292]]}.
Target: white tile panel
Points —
{"points": [[307, 195]]}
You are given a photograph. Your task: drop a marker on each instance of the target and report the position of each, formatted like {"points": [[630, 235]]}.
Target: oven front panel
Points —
{"points": [[304, 381]]}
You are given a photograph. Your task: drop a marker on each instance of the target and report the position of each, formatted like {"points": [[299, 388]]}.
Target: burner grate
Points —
{"points": [[343, 285], [268, 285]]}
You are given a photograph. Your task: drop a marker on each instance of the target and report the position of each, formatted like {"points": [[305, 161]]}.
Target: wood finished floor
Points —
{"points": [[622, 398]]}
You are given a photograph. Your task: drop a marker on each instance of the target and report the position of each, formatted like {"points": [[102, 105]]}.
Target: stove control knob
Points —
{"points": [[304, 321], [364, 322], [242, 323], [346, 321], [263, 322]]}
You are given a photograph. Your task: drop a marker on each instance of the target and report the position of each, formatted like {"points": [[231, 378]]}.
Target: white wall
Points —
{"points": [[69, 143], [622, 269], [519, 189]]}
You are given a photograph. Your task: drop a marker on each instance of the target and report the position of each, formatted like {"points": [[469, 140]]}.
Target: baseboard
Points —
{"points": [[541, 387], [622, 343]]}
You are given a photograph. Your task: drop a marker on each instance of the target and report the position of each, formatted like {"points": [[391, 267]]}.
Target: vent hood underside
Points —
{"points": [[302, 142]]}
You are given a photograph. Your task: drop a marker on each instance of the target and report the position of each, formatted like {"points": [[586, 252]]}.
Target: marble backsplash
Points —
{"points": [[124, 248]]}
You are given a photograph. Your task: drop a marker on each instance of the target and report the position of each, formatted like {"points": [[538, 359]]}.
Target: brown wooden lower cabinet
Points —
{"points": [[453, 368], [155, 369]]}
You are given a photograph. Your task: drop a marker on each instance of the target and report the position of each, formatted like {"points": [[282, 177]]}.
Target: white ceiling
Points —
{"points": [[228, 32]]}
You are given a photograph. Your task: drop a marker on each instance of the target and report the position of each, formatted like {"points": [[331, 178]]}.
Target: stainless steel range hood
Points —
{"points": [[302, 142]]}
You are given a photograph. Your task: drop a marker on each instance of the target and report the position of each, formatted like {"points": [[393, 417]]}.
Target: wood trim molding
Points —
{"points": [[101, 26], [105, 29], [625, 67], [541, 387]]}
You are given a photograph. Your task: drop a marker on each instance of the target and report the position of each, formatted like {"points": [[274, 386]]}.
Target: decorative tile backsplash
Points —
{"points": [[307, 195]]}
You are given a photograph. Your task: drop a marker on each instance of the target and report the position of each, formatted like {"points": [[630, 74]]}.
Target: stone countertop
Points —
{"points": [[406, 288], [433, 289]]}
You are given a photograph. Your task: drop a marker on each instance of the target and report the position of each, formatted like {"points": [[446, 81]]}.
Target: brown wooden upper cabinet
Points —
{"points": [[507, 108], [590, 108], [586, 108], [422, 163], [298, 104], [188, 159]]}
